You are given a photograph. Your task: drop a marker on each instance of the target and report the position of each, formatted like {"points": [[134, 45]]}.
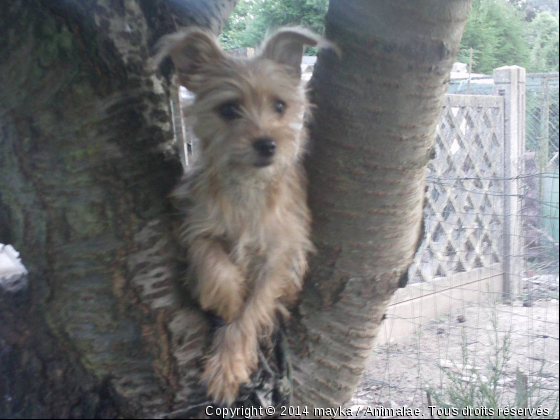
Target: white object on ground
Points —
{"points": [[11, 268]]}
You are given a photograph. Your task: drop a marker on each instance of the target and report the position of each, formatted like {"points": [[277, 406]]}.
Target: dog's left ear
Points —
{"points": [[286, 47]]}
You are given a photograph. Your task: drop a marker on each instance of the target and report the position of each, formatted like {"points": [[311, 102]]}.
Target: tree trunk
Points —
{"points": [[87, 162], [372, 135]]}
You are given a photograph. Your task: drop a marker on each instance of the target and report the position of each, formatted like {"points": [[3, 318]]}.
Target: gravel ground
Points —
{"points": [[463, 345]]}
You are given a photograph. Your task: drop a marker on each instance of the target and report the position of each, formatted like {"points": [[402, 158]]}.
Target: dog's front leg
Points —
{"points": [[219, 282], [235, 350]]}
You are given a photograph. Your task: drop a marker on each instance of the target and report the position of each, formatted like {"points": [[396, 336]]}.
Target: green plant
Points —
{"points": [[469, 393]]}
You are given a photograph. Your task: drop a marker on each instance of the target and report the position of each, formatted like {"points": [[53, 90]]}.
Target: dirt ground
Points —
{"points": [[468, 346]]}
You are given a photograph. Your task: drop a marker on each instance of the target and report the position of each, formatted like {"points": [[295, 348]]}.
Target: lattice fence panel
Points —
{"points": [[465, 187]]}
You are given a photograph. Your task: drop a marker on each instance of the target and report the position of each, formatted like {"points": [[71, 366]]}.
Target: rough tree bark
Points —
{"points": [[86, 164]]}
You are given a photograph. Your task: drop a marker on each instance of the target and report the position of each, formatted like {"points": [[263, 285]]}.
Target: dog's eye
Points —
{"points": [[280, 106], [230, 111]]}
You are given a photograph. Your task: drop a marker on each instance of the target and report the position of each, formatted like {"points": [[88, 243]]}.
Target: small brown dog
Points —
{"points": [[247, 221]]}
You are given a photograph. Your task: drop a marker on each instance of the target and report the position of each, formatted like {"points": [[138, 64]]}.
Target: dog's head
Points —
{"points": [[247, 113]]}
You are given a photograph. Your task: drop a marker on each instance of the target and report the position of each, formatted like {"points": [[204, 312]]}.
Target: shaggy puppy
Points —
{"points": [[246, 218]]}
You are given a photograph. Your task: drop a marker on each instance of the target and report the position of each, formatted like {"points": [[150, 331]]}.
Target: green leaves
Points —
{"points": [[542, 35], [252, 19], [502, 34], [495, 30]]}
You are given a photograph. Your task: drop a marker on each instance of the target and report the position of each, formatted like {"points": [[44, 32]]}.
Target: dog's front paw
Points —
{"points": [[223, 375]]}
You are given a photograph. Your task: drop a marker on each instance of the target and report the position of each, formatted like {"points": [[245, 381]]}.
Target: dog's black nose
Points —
{"points": [[265, 146]]}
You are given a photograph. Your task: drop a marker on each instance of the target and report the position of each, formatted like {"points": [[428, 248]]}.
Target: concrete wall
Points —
{"points": [[417, 304]]}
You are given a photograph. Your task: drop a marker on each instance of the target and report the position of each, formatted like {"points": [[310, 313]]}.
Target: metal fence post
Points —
{"points": [[509, 82], [544, 137]]}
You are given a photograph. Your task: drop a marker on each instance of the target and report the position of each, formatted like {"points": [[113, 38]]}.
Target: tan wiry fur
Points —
{"points": [[247, 226]]}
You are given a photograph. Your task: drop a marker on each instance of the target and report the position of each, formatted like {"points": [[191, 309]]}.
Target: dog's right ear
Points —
{"points": [[190, 50], [285, 47]]}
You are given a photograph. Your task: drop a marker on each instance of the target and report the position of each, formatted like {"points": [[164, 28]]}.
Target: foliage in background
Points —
{"points": [[520, 32], [542, 36], [530, 8], [495, 31], [252, 19], [501, 32], [233, 34]]}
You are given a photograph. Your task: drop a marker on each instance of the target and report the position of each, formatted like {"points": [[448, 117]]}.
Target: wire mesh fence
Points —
{"points": [[541, 203], [476, 85]]}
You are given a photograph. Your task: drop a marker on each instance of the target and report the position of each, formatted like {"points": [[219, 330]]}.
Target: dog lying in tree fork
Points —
{"points": [[244, 199]]}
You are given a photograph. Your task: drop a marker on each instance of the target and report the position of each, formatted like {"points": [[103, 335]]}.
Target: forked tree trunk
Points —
{"points": [[86, 165]]}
